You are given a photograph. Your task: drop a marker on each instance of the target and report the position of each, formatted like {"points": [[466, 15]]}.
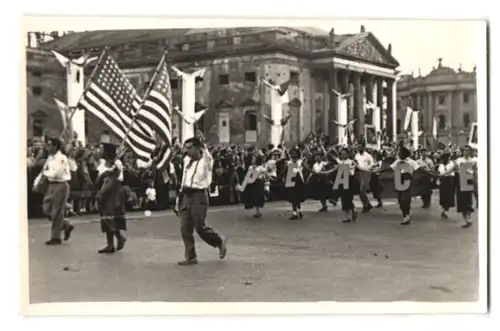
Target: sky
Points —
{"points": [[416, 44], [419, 43]]}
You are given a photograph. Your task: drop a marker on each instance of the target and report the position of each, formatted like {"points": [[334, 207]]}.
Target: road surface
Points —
{"points": [[271, 259]]}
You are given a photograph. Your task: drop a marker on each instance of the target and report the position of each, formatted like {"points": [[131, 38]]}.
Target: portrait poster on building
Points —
{"points": [[473, 136], [370, 136]]}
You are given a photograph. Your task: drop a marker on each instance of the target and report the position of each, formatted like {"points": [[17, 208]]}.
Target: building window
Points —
{"points": [[37, 90], [250, 77], [38, 127], [466, 119], [398, 125], [442, 99], [466, 98], [174, 84], [224, 79], [250, 121], [442, 122]]}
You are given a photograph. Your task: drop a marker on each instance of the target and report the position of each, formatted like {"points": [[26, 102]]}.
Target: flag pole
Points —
{"points": [[150, 87], [87, 86]]}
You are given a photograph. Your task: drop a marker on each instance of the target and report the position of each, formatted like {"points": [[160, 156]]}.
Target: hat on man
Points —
{"points": [[109, 149]]}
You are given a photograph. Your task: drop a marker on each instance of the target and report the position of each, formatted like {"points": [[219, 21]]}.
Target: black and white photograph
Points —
{"points": [[224, 163]]}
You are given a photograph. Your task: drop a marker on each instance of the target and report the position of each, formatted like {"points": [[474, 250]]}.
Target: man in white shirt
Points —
{"points": [[193, 200], [57, 172], [365, 164]]}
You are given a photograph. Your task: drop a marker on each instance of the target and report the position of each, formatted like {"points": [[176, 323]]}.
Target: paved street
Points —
{"points": [[270, 259]]}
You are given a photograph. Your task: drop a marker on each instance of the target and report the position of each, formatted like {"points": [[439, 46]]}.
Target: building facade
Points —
{"points": [[446, 98], [45, 79], [238, 59]]}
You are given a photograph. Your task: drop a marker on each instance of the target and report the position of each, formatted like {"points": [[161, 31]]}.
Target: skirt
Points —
{"points": [[254, 195], [447, 192], [296, 194], [319, 188], [464, 198], [347, 195]]}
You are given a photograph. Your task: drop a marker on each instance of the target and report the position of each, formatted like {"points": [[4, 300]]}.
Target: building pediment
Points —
{"points": [[295, 102], [249, 102], [365, 46]]}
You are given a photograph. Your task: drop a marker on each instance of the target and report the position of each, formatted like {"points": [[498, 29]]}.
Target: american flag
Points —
{"points": [[156, 111], [113, 99]]}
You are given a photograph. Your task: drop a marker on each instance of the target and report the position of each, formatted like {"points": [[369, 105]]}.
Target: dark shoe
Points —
{"points": [[257, 215], [406, 220], [53, 242], [294, 217], [300, 214], [67, 232], [192, 261], [223, 249], [379, 205], [120, 241], [106, 250], [346, 221], [444, 215], [426, 206], [467, 225], [323, 209]]}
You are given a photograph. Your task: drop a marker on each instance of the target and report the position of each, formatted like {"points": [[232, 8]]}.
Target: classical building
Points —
{"points": [[446, 95], [45, 79], [237, 60]]}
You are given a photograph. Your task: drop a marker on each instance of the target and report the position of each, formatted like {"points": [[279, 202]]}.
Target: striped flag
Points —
{"points": [[112, 98], [156, 110]]}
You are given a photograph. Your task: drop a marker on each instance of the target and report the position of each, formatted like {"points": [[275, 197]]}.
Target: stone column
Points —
{"points": [[391, 109], [332, 114], [359, 113], [370, 97], [379, 100]]}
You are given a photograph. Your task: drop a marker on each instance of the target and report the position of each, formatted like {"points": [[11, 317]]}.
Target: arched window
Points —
{"points": [[250, 121], [398, 125], [442, 122]]}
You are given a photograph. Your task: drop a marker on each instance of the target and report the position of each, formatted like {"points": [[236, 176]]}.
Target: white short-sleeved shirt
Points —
{"points": [[413, 165]]}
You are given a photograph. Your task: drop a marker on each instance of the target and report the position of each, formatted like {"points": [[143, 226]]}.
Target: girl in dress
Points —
{"points": [[253, 186], [405, 196], [346, 193], [320, 187], [463, 194], [375, 186], [294, 183], [446, 183]]}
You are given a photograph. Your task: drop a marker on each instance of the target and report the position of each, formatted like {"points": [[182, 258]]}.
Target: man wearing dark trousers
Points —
{"points": [[192, 203], [56, 171]]}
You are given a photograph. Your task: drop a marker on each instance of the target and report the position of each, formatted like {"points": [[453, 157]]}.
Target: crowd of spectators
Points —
{"points": [[230, 165]]}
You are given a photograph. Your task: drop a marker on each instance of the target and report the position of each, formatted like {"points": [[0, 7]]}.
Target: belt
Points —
{"points": [[189, 190], [57, 182]]}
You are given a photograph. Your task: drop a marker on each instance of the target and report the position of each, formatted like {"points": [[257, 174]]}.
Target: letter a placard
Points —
{"points": [[400, 169], [466, 171], [342, 177]]}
